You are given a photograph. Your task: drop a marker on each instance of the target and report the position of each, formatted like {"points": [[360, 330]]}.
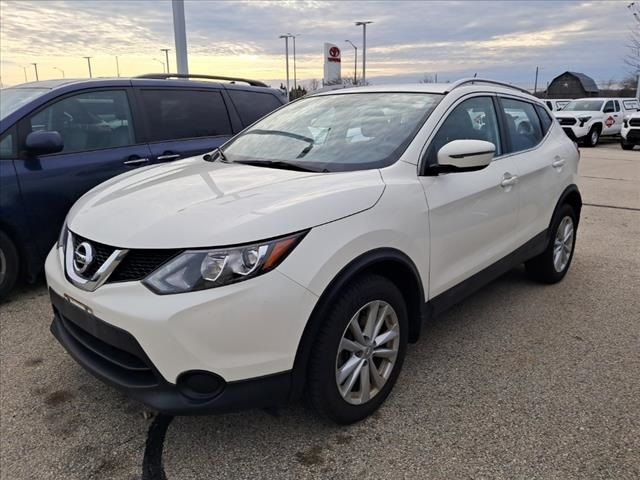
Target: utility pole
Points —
{"points": [[35, 67], [180, 36], [166, 56], [117, 67], [295, 82], [89, 64], [355, 62], [60, 70], [364, 50], [161, 62], [535, 85], [25, 73], [286, 54]]}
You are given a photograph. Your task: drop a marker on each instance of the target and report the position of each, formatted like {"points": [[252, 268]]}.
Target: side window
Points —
{"points": [[473, 119], [8, 144], [523, 125], [88, 121], [617, 104], [545, 119], [608, 107], [253, 105], [175, 114]]}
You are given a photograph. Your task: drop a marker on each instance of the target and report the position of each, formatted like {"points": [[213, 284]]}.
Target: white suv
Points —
{"points": [[304, 255]]}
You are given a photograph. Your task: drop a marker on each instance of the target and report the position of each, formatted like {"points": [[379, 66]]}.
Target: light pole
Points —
{"points": [[160, 61], [35, 67], [355, 62], [286, 53], [60, 70], [295, 80], [25, 73], [166, 56], [117, 67], [364, 49], [89, 64], [180, 36], [535, 85]]}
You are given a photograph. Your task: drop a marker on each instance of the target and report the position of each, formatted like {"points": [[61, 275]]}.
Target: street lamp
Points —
{"points": [[35, 67], [117, 67], [160, 61], [166, 56], [60, 70], [286, 53], [355, 62], [89, 64], [25, 73], [295, 82], [364, 49]]}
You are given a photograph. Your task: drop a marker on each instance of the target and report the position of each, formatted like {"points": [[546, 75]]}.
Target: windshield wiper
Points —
{"points": [[280, 133], [276, 164]]}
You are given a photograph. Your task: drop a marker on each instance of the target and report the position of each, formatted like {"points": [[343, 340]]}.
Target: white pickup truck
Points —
{"points": [[585, 120], [630, 132]]}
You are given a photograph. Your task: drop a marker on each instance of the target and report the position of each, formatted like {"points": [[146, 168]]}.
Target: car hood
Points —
{"points": [[193, 203]]}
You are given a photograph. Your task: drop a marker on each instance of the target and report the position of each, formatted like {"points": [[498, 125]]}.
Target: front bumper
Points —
{"points": [[247, 334], [630, 135]]}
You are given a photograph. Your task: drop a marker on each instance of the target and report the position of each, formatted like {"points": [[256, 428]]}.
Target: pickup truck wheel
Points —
{"points": [[359, 351], [9, 265], [625, 145], [593, 137], [551, 265]]}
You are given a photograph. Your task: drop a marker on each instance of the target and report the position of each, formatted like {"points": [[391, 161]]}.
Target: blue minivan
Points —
{"points": [[60, 138]]}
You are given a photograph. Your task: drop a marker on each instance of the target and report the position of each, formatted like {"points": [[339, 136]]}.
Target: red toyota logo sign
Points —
{"points": [[334, 52], [610, 121]]}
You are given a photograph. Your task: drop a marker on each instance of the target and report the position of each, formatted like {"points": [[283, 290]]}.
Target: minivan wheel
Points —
{"points": [[359, 351], [8, 265], [593, 137], [551, 266]]}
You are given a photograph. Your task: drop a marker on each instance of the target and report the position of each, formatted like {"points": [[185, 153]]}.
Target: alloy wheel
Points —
{"points": [[563, 244], [368, 352]]}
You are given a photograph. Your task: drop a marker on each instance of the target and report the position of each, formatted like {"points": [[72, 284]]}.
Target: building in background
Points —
{"points": [[572, 85]]}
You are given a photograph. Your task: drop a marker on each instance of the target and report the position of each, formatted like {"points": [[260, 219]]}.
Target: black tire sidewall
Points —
{"points": [[590, 142], [565, 211], [323, 390], [11, 258]]}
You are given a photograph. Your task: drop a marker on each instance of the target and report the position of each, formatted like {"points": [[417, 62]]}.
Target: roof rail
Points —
{"points": [[164, 76], [466, 81]]}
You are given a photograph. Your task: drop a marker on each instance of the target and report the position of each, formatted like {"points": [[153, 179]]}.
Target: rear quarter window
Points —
{"points": [[545, 120], [252, 106]]}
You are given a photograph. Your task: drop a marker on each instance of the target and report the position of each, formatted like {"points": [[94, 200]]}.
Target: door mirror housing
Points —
{"points": [[465, 156], [44, 142]]}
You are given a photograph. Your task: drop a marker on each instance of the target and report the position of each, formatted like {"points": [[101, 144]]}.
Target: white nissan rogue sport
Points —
{"points": [[303, 256]]}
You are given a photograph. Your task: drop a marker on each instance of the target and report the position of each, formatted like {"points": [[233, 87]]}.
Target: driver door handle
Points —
{"points": [[136, 160], [168, 156], [558, 162], [508, 180]]}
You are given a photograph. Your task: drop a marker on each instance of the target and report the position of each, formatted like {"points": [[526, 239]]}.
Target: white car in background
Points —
{"points": [[301, 258], [556, 104], [630, 132], [585, 120]]}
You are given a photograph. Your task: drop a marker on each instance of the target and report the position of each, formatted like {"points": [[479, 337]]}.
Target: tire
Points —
{"points": [[552, 265], [364, 296], [625, 145], [9, 265], [593, 137]]}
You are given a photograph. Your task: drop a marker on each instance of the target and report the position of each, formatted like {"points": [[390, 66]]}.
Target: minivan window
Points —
{"points": [[13, 98], [175, 114], [88, 121], [336, 132], [523, 125], [253, 105]]}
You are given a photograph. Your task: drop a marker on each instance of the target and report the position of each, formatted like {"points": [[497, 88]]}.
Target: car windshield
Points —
{"points": [[13, 98], [331, 133], [583, 106]]}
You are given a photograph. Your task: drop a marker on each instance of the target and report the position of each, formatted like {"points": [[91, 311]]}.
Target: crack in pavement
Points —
{"points": [[152, 468], [631, 209]]}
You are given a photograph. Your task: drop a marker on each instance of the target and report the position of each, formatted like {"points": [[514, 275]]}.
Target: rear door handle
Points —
{"points": [[168, 156], [558, 162], [508, 180], [136, 161]]}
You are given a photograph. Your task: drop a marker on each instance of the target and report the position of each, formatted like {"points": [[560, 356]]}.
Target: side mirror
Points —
{"points": [[465, 156], [42, 143]]}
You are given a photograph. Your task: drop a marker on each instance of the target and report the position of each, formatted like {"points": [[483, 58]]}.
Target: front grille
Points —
{"points": [[568, 121], [634, 122], [107, 350], [137, 264], [100, 254]]}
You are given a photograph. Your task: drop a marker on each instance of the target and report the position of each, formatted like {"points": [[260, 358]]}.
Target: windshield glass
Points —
{"points": [[336, 132], [13, 98], [583, 106]]}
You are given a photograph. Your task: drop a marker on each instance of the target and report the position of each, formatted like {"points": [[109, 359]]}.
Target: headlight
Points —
{"points": [[201, 269], [583, 120]]}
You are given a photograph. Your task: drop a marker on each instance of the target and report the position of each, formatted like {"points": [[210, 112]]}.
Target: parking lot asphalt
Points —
{"points": [[518, 381]]}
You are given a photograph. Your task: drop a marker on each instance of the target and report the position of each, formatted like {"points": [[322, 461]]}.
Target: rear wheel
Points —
{"points": [[359, 351], [551, 265], [8, 265], [593, 137]]}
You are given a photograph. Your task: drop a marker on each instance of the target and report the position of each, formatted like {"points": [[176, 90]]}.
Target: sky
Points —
{"points": [[504, 40]]}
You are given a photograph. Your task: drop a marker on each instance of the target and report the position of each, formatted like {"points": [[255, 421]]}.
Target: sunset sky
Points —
{"points": [[504, 40]]}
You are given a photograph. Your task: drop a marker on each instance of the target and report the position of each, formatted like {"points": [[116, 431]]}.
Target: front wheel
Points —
{"points": [[359, 351], [593, 137], [551, 265]]}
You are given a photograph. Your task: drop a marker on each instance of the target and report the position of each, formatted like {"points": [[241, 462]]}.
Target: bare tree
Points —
{"points": [[313, 85], [427, 78], [632, 58]]}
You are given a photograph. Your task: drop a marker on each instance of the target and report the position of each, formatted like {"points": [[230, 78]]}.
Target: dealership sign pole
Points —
{"points": [[180, 36], [332, 64]]}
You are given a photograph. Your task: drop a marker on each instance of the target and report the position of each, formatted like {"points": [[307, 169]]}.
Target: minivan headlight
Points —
{"points": [[194, 270]]}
